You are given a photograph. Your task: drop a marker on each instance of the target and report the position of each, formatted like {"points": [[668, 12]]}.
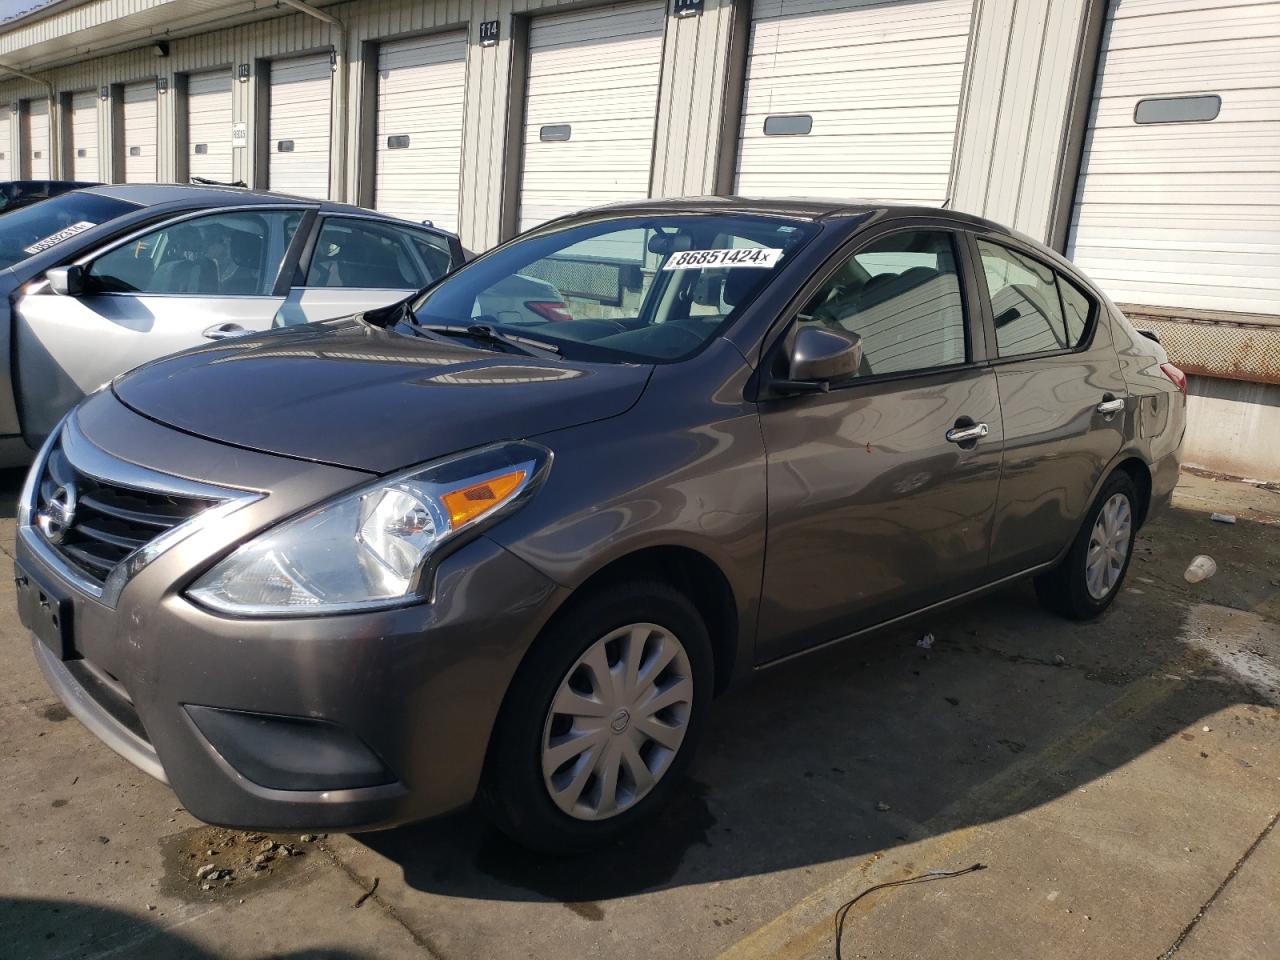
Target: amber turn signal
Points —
{"points": [[475, 500]]}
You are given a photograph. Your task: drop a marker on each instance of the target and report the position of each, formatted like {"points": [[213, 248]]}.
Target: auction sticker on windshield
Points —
{"points": [[66, 233], [741, 257]]}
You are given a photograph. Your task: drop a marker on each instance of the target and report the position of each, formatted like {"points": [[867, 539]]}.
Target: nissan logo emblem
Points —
{"points": [[55, 517]]}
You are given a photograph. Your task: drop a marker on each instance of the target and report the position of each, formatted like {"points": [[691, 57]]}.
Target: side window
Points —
{"points": [[434, 253], [363, 254], [1024, 302], [1077, 307], [901, 295], [228, 254]]}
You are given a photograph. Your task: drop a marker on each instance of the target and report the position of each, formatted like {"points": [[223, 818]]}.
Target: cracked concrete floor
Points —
{"points": [[1120, 780]]}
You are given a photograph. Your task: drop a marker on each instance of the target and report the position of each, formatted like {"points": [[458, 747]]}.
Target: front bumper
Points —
{"points": [[413, 691]]}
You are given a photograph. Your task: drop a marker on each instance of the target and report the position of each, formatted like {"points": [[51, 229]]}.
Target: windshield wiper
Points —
{"points": [[487, 334]]}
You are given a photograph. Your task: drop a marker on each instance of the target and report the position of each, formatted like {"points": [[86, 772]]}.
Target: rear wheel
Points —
{"points": [[1089, 577], [602, 721]]}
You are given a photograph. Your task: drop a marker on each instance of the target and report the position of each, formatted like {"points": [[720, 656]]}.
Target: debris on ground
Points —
{"points": [[213, 858], [1222, 517], [1059, 660], [1201, 568], [925, 642], [883, 807], [843, 912], [367, 894]]}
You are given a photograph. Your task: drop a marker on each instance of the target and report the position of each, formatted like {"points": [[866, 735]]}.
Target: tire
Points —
{"points": [[1068, 589], [637, 621]]}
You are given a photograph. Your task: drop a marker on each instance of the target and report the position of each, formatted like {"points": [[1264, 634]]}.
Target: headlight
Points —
{"points": [[369, 548]]}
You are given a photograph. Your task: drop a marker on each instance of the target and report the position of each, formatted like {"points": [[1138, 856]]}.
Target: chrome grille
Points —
{"points": [[110, 520]]}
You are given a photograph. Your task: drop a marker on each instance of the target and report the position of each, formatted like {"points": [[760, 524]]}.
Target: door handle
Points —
{"points": [[968, 434], [1110, 405], [221, 331]]}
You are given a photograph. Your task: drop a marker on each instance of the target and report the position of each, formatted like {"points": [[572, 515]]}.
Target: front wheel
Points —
{"points": [[1087, 580], [602, 721]]}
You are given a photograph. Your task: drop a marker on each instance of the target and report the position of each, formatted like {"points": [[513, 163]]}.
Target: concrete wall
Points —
{"points": [[1233, 427]]}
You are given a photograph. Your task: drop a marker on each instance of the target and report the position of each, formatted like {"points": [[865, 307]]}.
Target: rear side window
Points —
{"points": [[901, 295], [1024, 302], [364, 254]]}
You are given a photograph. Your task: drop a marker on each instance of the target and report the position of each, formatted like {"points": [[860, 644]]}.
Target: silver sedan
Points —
{"points": [[104, 279]]}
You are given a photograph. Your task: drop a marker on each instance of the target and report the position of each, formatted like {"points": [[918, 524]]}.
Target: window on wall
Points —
{"points": [[1031, 314], [901, 295]]}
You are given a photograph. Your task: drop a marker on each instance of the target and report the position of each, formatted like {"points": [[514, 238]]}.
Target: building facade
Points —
{"points": [[1140, 137]]}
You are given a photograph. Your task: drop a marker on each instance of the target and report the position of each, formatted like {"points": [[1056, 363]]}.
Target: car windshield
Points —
{"points": [[621, 290], [26, 231]]}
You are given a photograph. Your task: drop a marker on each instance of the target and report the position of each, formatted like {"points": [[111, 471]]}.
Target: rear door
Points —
{"points": [[1063, 398], [166, 289], [876, 508], [359, 263]]}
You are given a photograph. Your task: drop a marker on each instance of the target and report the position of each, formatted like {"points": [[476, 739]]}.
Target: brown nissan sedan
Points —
{"points": [[360, 572]]}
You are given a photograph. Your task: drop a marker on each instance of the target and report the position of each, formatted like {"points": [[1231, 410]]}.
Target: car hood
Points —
{"points": [[357, 395]]}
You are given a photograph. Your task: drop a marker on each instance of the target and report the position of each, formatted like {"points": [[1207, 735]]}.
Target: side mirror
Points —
{"points": [[66, 281], [819, 355]]}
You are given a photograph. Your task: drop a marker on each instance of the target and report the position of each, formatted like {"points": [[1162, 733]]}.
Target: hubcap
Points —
{"points": [[617, 721], [1108, 546]]}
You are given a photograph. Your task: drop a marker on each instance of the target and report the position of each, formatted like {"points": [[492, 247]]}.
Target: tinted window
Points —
{"points": [[654, 288], [26, 231], [1076, 306], [361, 253], [1024, 302], [901, 295], [228, 254]]}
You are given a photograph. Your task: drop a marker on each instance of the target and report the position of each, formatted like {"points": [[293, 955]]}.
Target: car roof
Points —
{"points": [[215, 195], [801, 208]]}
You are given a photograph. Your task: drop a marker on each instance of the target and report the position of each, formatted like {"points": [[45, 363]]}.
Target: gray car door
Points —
{"points": [[881, 491], [360, 263], [1063, 396], [191, 280]]}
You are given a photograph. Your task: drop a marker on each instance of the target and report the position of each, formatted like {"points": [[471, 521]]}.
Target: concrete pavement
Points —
{"points": [[1119, 779]]}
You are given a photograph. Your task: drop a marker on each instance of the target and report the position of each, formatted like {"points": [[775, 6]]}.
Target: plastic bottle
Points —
{"points": [[1201, 568]]}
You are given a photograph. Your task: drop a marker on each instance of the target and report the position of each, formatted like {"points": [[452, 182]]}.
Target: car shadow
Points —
{"points": [[868, 745], [67, 928]]}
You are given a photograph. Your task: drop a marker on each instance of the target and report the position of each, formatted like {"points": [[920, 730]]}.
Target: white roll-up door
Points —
{"points": [[301, 107], [7, 166], [418, 152], [590, 109], [37, 143], [84, 136], [140, 132], [850, 99], [209, 125], [1178, 203]]}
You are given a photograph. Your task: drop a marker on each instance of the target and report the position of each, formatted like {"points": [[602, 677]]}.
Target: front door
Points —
{"points": [[1064, 399], [877, 507], [184, 284]]}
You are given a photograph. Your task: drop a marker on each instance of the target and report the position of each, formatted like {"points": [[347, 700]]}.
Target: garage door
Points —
{"points": [[298, 159], [6, 149], [209, 125], [37, 141], [851, 99], [84, 136], [419, 128], [140, 132], [1178, 203], [592, 100]]}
